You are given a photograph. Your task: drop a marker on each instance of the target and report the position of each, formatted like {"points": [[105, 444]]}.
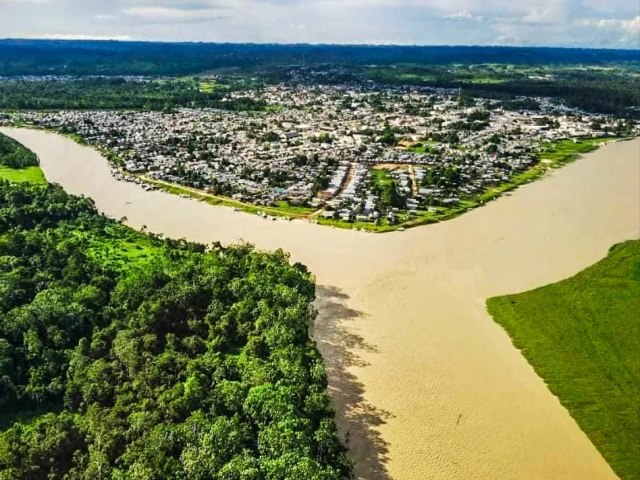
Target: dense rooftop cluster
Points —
{"points": [[362, 152]]}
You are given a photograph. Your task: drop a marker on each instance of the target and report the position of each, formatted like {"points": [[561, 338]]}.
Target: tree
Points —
{"points": [[182, 363]]}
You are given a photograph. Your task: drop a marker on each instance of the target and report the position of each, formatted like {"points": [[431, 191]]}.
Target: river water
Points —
{"points": [[425, 384]]}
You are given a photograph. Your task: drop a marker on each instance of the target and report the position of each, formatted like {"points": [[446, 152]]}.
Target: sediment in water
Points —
{"points": [[425, 383]]}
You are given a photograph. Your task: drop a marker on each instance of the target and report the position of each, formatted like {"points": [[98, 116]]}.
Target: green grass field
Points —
{"points": [[486, 80], [27, 174], [273, 108], [424, 146], [563, 151], [17, 163], [209, 86], [381, 177], [286, 208], [415, 76], [582, 336], [119, 247]]}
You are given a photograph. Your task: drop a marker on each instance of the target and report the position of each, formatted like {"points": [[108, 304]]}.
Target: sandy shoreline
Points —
{"points": [[427, 385]]}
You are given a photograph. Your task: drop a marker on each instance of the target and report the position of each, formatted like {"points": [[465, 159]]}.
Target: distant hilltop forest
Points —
{"points": [[53, 74], [58, 57]]}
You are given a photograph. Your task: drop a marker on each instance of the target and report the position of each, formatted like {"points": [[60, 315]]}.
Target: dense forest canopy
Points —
{"points": [[55, 57], [14, 155], [124, 355], [116, 93], [42, 75]]}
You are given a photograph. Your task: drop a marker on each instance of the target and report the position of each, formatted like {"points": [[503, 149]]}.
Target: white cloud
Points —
{"points": [[171, 14], [510, 40], [627, 29], [80, 36], [631, 26], [463, 15], [530, 22]]}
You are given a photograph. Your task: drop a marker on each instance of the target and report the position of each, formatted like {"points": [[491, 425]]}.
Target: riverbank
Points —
{"points": [[552, 155], [425, 383], [582, 336]]}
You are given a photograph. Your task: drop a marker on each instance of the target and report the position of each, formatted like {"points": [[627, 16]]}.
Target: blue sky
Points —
{"points": [[583, 23]]}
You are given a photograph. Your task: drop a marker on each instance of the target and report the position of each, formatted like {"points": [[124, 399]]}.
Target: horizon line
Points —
{"points": [[124, 40]]}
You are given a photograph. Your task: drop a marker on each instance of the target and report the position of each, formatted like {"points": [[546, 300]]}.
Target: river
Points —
{"points": [[424, 382]]}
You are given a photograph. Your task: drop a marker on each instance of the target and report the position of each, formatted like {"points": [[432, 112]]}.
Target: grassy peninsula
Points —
{"points": [[582, 336]]}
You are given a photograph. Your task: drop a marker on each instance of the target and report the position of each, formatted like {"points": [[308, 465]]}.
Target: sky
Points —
{"points": [[576, 23]]}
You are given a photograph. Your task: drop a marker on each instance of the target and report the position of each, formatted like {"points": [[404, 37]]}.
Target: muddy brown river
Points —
{"points": [[425, 384]]}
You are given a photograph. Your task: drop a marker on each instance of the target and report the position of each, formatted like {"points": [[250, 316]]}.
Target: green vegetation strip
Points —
{"points": [[582, 336], [27, 174], [281, 209]]}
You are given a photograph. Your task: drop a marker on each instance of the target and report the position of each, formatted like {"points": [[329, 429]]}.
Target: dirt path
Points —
{"points": [[414, 183]]}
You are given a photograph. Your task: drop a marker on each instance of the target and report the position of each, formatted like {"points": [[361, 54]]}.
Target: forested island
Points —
{"points": [[126, 355]]}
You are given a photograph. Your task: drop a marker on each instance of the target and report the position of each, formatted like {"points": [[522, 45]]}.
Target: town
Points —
{"points": [[361, 154]]}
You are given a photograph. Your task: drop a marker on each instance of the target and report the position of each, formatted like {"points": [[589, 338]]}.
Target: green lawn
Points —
{"points": [[381, 177], [281, 209], [287, 208], [563, 151], [381, 227], [27, 174], [273, 108], [119, 247], [415, 76], [486, 80], [209, 86], [425, 146], [582, 336], [17, 163]]}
